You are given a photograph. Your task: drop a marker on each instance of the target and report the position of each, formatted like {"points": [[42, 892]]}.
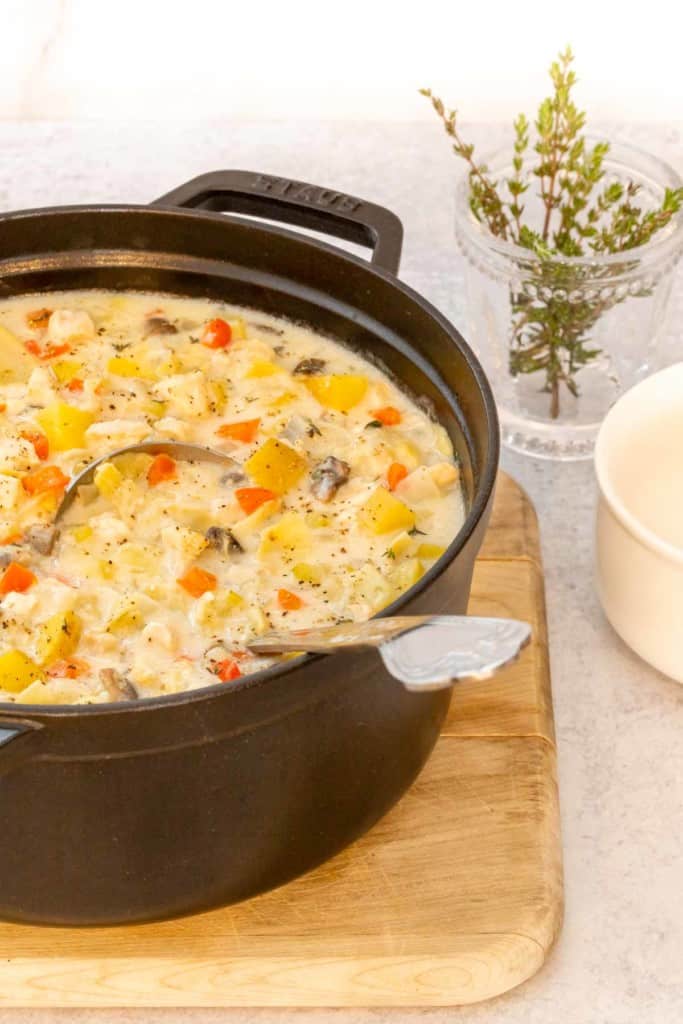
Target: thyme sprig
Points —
{"points": [[581, 216]]}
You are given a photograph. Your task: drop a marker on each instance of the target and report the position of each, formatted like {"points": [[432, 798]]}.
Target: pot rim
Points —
{"points": [[482, 495], [664, 243]]}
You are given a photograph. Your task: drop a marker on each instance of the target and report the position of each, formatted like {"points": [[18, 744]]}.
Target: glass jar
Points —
{"points": [[561, 338]]}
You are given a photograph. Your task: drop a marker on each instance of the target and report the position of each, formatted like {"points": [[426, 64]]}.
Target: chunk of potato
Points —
{"points": [[138, 557], [54, 691], [17, 671], [134, 464], [58, 637], [289, 534], [276, 466], [107, 479], [16, 365], [214, 606], [65, 426], [444, 474], [130, 613], [340, 391], [382, 512], [400, 545], [371, 587], [430, 551], [406, 574], [243, 530], [305, 573], [238, 328]]}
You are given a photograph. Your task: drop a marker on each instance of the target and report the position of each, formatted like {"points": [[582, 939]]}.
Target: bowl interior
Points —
{"points": [[638, 460]]}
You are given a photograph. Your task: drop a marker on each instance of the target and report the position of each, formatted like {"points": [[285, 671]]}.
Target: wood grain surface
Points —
{"points": [[454, 897]]}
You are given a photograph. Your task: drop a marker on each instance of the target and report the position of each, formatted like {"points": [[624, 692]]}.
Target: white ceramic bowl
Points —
{"points": [[639, 466]]}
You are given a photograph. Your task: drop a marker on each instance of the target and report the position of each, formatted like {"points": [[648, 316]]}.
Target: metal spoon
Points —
{"points": [[177, 449], [424, 652]]}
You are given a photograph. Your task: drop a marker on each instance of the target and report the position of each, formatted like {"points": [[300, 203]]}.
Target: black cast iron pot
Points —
{"points": [[136, 811]]}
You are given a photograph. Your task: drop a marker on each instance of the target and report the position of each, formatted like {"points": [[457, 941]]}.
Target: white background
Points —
{"points": [[345, 60]]}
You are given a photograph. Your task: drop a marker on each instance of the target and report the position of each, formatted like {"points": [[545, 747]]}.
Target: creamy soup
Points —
{"points": [[341, 492]]}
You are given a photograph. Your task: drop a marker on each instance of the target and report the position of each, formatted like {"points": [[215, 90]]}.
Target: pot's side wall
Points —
{"points": [[168, 832], [120, 815]]}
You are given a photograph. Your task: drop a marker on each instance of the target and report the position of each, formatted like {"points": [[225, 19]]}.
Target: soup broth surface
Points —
{"points": [[341, 493]]}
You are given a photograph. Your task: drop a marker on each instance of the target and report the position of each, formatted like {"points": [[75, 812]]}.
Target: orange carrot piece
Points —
{"points": [[396, 472], [243, 431], [44, 479], [251, 498], [228, 670], [12, 538], [388, 416], [51, 352], [217, 334], [16, 577], [161, 469], [39, 442], [288, 601], [70, 669], [197, 581], [75, 384]]}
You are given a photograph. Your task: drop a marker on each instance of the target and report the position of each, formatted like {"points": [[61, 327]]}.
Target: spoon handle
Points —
{"points": [[424, 652]]}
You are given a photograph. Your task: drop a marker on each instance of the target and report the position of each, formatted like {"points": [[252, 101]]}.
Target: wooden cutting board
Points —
{"points": [[454, 897]]}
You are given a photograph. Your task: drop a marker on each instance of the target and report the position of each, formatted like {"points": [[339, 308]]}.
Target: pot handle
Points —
{"points": [[296, 202]]}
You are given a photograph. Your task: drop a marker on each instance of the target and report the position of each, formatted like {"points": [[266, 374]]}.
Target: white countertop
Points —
{"points": [[619, 723]]}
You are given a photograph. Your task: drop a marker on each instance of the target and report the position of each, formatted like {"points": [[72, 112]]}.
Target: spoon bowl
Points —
{"points": [[177, 449]]}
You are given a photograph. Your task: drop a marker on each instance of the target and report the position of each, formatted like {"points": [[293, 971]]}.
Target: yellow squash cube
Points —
{"points": [[129, 366], [276, 466], [17, 671], [262, 368], [382, 513], [340, 391], [58, 637], [66, 369], [65, 426]]}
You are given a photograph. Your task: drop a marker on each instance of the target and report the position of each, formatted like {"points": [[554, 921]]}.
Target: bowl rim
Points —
{"points": [[480, 501], [631, 523], [662, 244]]}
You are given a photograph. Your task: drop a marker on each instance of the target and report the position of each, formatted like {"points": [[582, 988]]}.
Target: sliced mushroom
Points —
{"points": [[41, 538], [118, 686], [310, 367], [159, 325], [234, 477], [328, 476], [223, 540]]}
